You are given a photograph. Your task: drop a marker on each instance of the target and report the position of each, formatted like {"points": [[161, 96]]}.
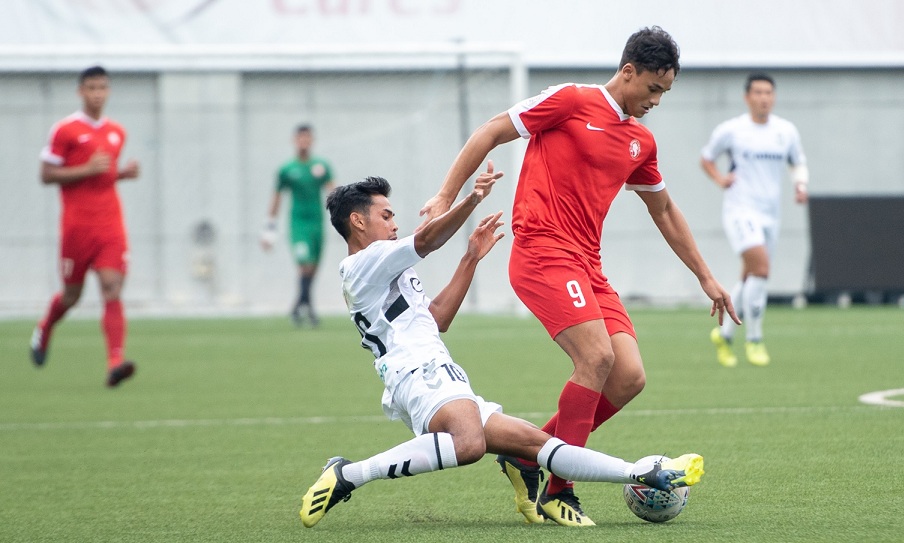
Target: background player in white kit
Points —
{"points": [[760, 147], [424, 388]]}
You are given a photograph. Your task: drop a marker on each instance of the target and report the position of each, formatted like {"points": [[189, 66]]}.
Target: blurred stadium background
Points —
{"points": [[210, 90]]}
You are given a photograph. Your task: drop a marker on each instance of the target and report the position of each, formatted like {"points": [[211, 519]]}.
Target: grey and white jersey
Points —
{"points": [[760, 155], [388, 305]]}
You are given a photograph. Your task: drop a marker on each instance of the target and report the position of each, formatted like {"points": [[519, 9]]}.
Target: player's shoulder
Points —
{"points": [[738, 122], [781, 123], [290, 164], [561, 87], [114, 126], [370, 252], [68, 124], [362, 263]]}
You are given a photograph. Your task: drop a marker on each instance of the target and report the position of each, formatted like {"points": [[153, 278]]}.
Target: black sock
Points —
{"points": [[304, 297]]}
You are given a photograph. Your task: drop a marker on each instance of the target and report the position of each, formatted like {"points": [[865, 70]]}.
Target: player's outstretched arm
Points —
{"points": [[446, 304], [487, 137], [677, 233], [437, 232]]}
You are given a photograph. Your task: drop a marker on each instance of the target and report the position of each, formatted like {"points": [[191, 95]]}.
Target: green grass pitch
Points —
{"points": [[227, 422]]}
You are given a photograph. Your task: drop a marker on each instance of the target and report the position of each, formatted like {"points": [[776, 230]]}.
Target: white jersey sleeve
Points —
{"points": [[796, 155], [389, 308]]}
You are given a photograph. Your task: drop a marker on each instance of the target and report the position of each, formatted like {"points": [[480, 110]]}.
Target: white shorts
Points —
{"points": [[747, 228], [415, 398]]}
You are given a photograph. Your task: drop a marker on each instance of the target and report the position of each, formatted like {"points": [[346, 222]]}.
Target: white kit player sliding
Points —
{"points": [[760, 146], [423, 386]]}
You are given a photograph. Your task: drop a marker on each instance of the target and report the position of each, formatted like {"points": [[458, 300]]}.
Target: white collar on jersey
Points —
{"points": [[614, 104], [82, 116]]}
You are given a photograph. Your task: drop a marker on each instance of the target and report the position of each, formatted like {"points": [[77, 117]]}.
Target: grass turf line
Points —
{"points": [[790, 454]]}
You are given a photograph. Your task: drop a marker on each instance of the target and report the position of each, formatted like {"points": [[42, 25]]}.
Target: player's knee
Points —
{"points": [[71, 295], [469, 449], [635, 384], [69, 299], [596, 361], [111, 291]]}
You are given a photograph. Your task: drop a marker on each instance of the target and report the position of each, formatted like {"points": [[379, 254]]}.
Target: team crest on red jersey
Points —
{"points": [[634, 148], [114, 139]]}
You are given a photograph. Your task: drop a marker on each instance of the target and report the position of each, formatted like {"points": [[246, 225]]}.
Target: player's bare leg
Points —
{"points": [[113, 324], [590, 349], [59, 305], [627, 377]]}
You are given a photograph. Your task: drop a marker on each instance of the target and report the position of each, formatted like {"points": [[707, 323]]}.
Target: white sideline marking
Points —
{"points": [[285, 421], [881, 398]]}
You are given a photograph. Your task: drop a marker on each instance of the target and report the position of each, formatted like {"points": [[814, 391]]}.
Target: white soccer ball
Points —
{"points": [[654, 505]]}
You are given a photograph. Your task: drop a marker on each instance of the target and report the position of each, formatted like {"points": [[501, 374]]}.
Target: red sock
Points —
{"points": [[604, 411], [577, 408], [114, 327], [54, 313]]}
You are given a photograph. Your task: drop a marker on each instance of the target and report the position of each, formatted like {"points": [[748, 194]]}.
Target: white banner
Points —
{"points": [[711, 33]]}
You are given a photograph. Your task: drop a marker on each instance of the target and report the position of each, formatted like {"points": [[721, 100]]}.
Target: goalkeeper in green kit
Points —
{"points": [[307, 177]]}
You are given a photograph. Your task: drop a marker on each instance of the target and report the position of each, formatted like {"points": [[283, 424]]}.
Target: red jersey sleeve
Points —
{"points": [[58, 144], [647, 177], [547, 110]]}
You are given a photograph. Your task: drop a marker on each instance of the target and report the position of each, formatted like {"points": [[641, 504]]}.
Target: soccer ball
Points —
{"points": [[654, 505]]}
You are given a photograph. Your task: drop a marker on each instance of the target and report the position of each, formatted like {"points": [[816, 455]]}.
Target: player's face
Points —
{"points": [[760, 99], [303, 142], [380, 223], [644, 90], [94, 92]]}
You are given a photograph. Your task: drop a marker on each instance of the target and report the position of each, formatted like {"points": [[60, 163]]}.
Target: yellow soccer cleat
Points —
{"points": [[327, 491], [526, 482], [724, 354], [667, 474], [563, 508], [689, 468], [757, 353]]}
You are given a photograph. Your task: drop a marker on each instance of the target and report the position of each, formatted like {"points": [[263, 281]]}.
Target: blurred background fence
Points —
{"points": [[210, 115]]}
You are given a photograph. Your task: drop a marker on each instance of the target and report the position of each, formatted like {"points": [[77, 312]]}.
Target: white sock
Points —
{"points": [[580, 464], [423, 454], [754, 306], [737, 299]]}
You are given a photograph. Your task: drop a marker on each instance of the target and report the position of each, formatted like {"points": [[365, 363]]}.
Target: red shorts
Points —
{"points": [[82, 248], [564, 289]]}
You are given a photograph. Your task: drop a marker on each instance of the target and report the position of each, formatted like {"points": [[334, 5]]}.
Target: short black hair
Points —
{"points": [[758, 76], [93, 71], [651, 49], [346, 199], [304, 127]]}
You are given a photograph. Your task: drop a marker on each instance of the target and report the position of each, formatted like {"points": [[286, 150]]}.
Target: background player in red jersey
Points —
{"points": [[585, 145], [81, 157]]}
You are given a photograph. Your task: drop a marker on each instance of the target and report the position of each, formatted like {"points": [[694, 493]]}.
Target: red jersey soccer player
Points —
{"points": [[585, 145], [81, 157]]}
